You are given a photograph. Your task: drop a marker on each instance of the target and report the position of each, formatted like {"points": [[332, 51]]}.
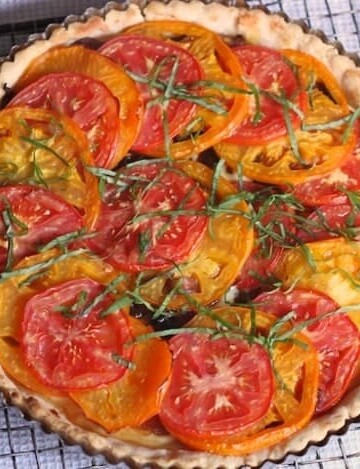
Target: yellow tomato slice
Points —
{"points": [[213, 266], [331, 267], [41, 147], [221, 67], [314, 149], [79, 59]]}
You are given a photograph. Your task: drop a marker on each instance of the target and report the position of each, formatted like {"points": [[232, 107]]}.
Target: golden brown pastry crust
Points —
{"points": [[257, 27]]}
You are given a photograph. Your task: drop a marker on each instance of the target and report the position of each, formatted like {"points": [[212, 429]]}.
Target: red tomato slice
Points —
{"points": [[258, 269], [148, 57], [70, 351], [86, 100], [218, 386], [267, 69], [329, 189], [329, 221], [336, 338], [155, 242], [30, 217]]}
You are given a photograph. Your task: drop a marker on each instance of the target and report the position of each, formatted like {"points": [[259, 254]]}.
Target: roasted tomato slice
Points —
{"points": [[136, 397], [219, 110], [336, 338], [41, 147], [213, 266], [68, 343], [31, 217], [267, 69], [224, 396], [331, 266], [138, 226], [218, 387], [314, 149], [329, 221], [87, 101], [78, 59], [157, 62], [331, 188]]}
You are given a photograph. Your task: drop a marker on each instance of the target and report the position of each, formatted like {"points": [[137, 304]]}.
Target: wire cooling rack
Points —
{"points": [[23, 444]]}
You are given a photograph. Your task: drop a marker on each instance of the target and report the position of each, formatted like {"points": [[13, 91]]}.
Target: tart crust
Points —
{"points": [[256, 26]]}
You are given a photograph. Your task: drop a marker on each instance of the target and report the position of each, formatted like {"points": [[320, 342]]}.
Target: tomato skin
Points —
{"points": [[135, 52], [267, 69], [218, 386], [157, 242], [87, 101], [336, 338], [69, 351], [44, 217]]}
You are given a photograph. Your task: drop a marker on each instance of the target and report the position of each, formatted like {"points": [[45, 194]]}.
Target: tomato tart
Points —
{"points": [[180, 214]]}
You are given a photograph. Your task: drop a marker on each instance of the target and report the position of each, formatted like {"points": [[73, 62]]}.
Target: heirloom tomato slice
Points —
{"points": [[87, 101], [329, 221], [331, 188], [271, 73], [331, 267], [316, 148], [219, 109], [226, 395], [79, 60], [136, 397], [138, 226], [335, 337], [40, 272], [31, 217], [213, 266], [151, 59], [41, 147], [67, 342]]}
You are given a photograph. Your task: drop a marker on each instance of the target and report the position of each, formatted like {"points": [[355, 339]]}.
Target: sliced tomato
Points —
{"points": [[221, 67], [158, 240], [331, 267], [218, 387], [336, 338], [136, 397], [267, 69], [87, 101], [329, 221], [41, 147], [221, 397], [151, 58], [330, 188], [31, 217], [316, 148], [273, 226], [80, 60], [213, 266], [69, 349], [258, 270]]}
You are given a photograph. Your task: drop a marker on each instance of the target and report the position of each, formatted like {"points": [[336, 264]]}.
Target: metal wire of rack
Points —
{"points": [[23, 444]]}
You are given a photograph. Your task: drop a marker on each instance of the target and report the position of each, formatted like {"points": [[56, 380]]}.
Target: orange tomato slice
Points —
{"points": [[78, 59]]}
